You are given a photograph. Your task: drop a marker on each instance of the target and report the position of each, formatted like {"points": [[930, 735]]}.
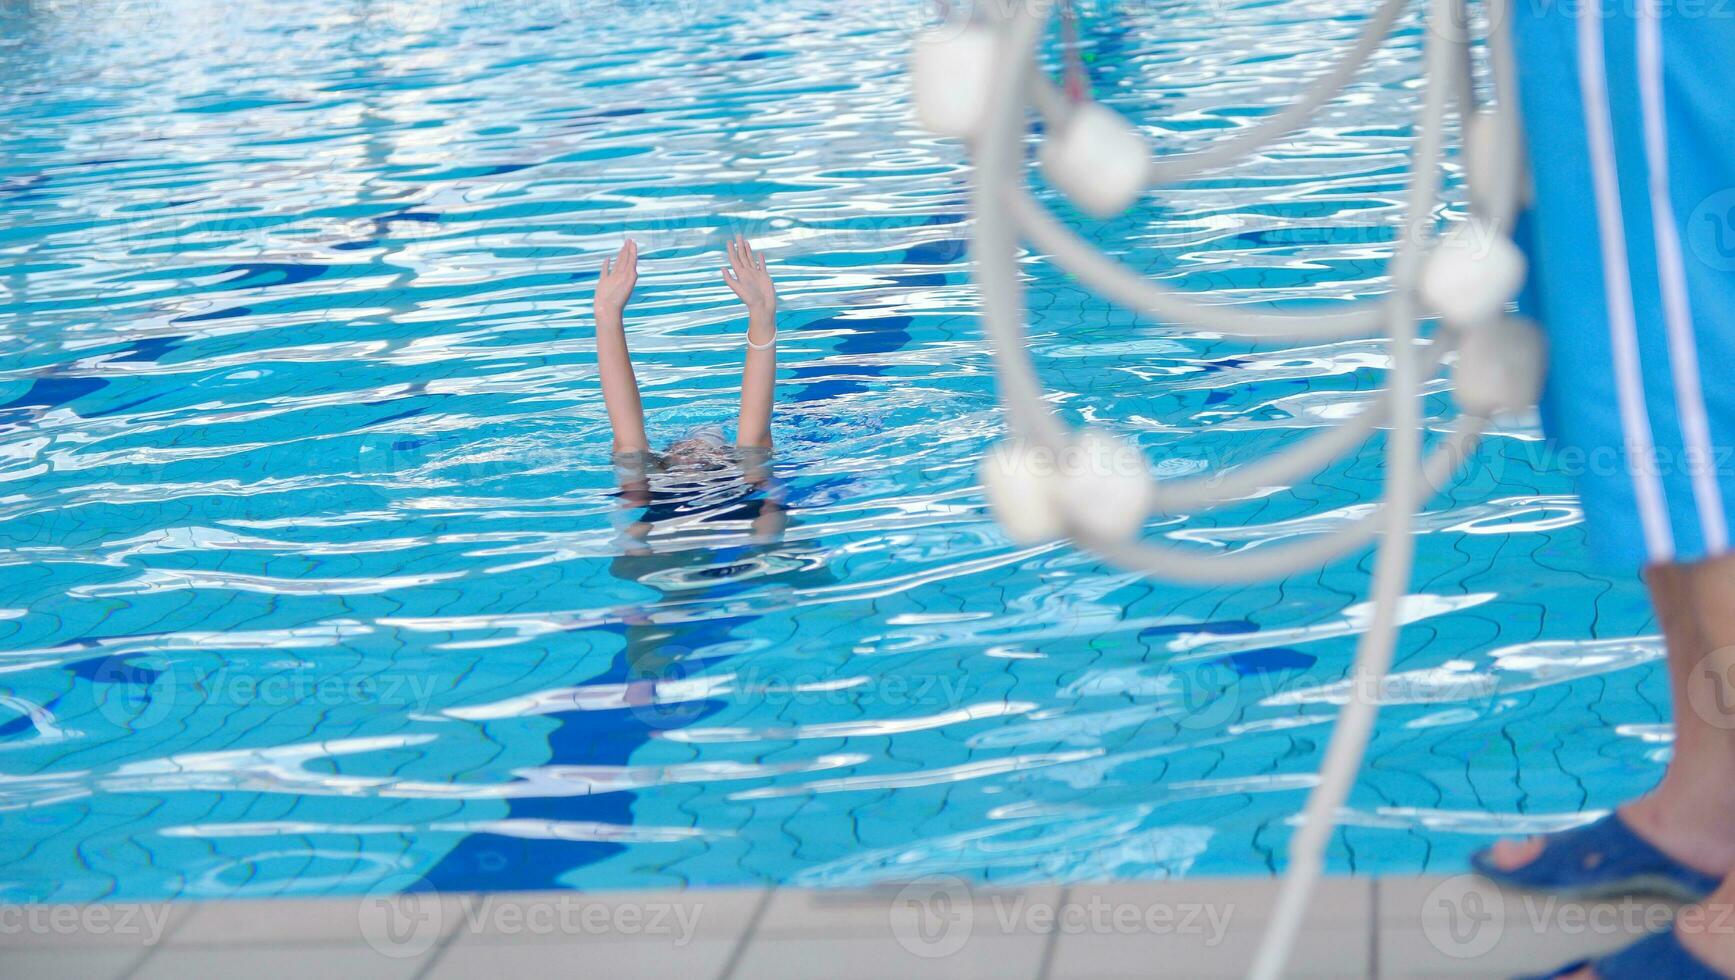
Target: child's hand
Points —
{"points": [[746, 275], [615, 285]]}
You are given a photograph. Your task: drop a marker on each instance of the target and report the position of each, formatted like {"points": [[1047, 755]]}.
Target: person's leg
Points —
{"points": [[1690, 815], [1705, 707], [1606, 155]]}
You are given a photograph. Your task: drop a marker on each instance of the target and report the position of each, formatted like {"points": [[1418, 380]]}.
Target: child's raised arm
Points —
{"points": [[620, 388], [746, 275]]}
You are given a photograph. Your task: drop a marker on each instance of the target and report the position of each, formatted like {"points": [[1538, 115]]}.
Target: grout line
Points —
{"points": [[1374, 929], [747, 934], [176, 923], [132, 969], [1045, 967], [432, 961], [440, 948]]}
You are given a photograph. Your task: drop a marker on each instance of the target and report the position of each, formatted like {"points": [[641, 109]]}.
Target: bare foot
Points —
{"points": [[1514, 852]]}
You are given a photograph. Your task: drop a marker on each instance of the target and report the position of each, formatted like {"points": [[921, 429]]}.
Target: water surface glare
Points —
{"points": [[314, 573]]}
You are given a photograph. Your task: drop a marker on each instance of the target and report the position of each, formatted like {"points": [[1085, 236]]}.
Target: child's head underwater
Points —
{"points": [[704, 451], [701, 479]]}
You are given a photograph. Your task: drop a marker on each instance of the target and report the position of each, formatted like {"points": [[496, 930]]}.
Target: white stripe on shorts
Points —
{"points": [[1618, 289], [1677, 310]]}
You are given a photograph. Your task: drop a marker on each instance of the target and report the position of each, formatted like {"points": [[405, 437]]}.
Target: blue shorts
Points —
{"points": [[1631, 236]]}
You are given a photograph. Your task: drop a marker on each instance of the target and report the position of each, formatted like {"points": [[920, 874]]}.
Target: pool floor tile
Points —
{"points": [[398, 922], [1462, 926], [1339, 954], [1003, 957], [700, 959], [299, 961], [892, 910], [1208, 928], [111, 925], [932, 926], [89, 963], [1342, 902], [666, 917]]}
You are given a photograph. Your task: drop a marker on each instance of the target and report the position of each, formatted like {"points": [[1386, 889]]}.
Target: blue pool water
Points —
{"points": [[313, 575]]}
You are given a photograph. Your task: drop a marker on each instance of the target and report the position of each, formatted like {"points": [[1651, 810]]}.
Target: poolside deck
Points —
{"points": [[932, 927]]}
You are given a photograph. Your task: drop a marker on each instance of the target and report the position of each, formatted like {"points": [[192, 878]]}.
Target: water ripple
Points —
{"points": [[317, 571]]}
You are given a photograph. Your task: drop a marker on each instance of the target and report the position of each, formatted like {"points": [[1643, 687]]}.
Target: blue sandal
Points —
{"points": [[1600, 860], [1658, 955]]}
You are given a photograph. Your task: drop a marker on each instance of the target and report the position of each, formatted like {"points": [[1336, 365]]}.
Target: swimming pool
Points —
{"points": [[313, 575]]}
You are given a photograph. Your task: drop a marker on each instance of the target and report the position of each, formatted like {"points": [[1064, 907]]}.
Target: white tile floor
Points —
{"points": [[933, 927]]}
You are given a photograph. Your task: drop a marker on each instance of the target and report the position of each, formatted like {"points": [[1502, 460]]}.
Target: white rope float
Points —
{"points": [[977, 79]]}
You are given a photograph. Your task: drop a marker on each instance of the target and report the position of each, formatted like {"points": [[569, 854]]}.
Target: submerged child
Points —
{"points": [[704, 455]]}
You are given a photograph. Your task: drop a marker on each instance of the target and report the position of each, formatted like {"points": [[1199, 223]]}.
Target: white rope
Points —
{"points": [[1278, 561], [1213, 490], [1005, 208], [1173, 169], [1116, 282], [1392, 567]]}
